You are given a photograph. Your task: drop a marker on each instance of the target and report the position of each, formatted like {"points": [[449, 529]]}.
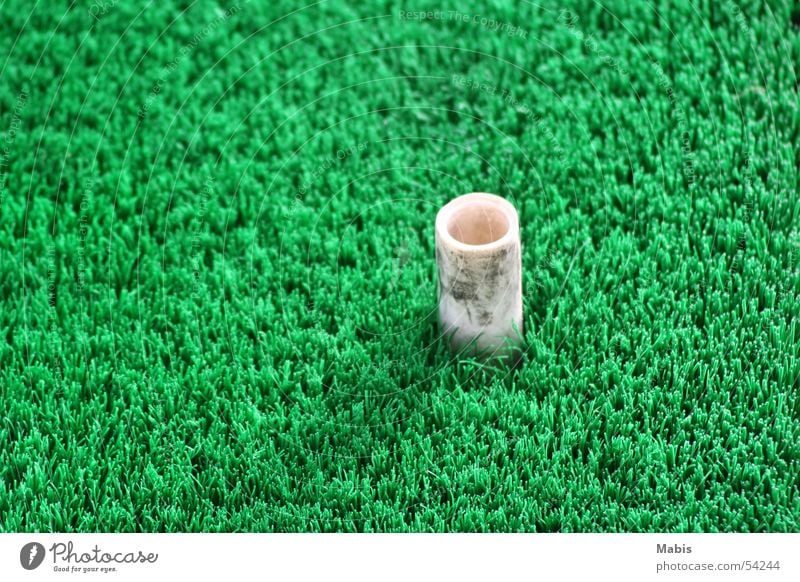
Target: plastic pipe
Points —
{"points": [[478, 257]]}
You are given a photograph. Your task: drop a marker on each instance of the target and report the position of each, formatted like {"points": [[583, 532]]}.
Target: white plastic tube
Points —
{"points": [[478, 257]]}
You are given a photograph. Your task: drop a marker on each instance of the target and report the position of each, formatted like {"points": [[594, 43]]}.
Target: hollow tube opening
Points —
{"points": [[478, 223]]}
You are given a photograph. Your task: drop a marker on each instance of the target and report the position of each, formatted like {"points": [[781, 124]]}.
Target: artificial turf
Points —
{"points": [[219, 293]]}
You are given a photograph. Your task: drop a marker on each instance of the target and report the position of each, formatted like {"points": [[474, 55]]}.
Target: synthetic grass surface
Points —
{"points": [[218, 285]]}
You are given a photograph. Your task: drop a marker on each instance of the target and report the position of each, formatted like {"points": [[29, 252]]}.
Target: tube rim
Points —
{"points": [[449, 209]]}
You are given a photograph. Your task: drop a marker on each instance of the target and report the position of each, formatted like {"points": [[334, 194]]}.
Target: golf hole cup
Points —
{"points": [[479, 262]]}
